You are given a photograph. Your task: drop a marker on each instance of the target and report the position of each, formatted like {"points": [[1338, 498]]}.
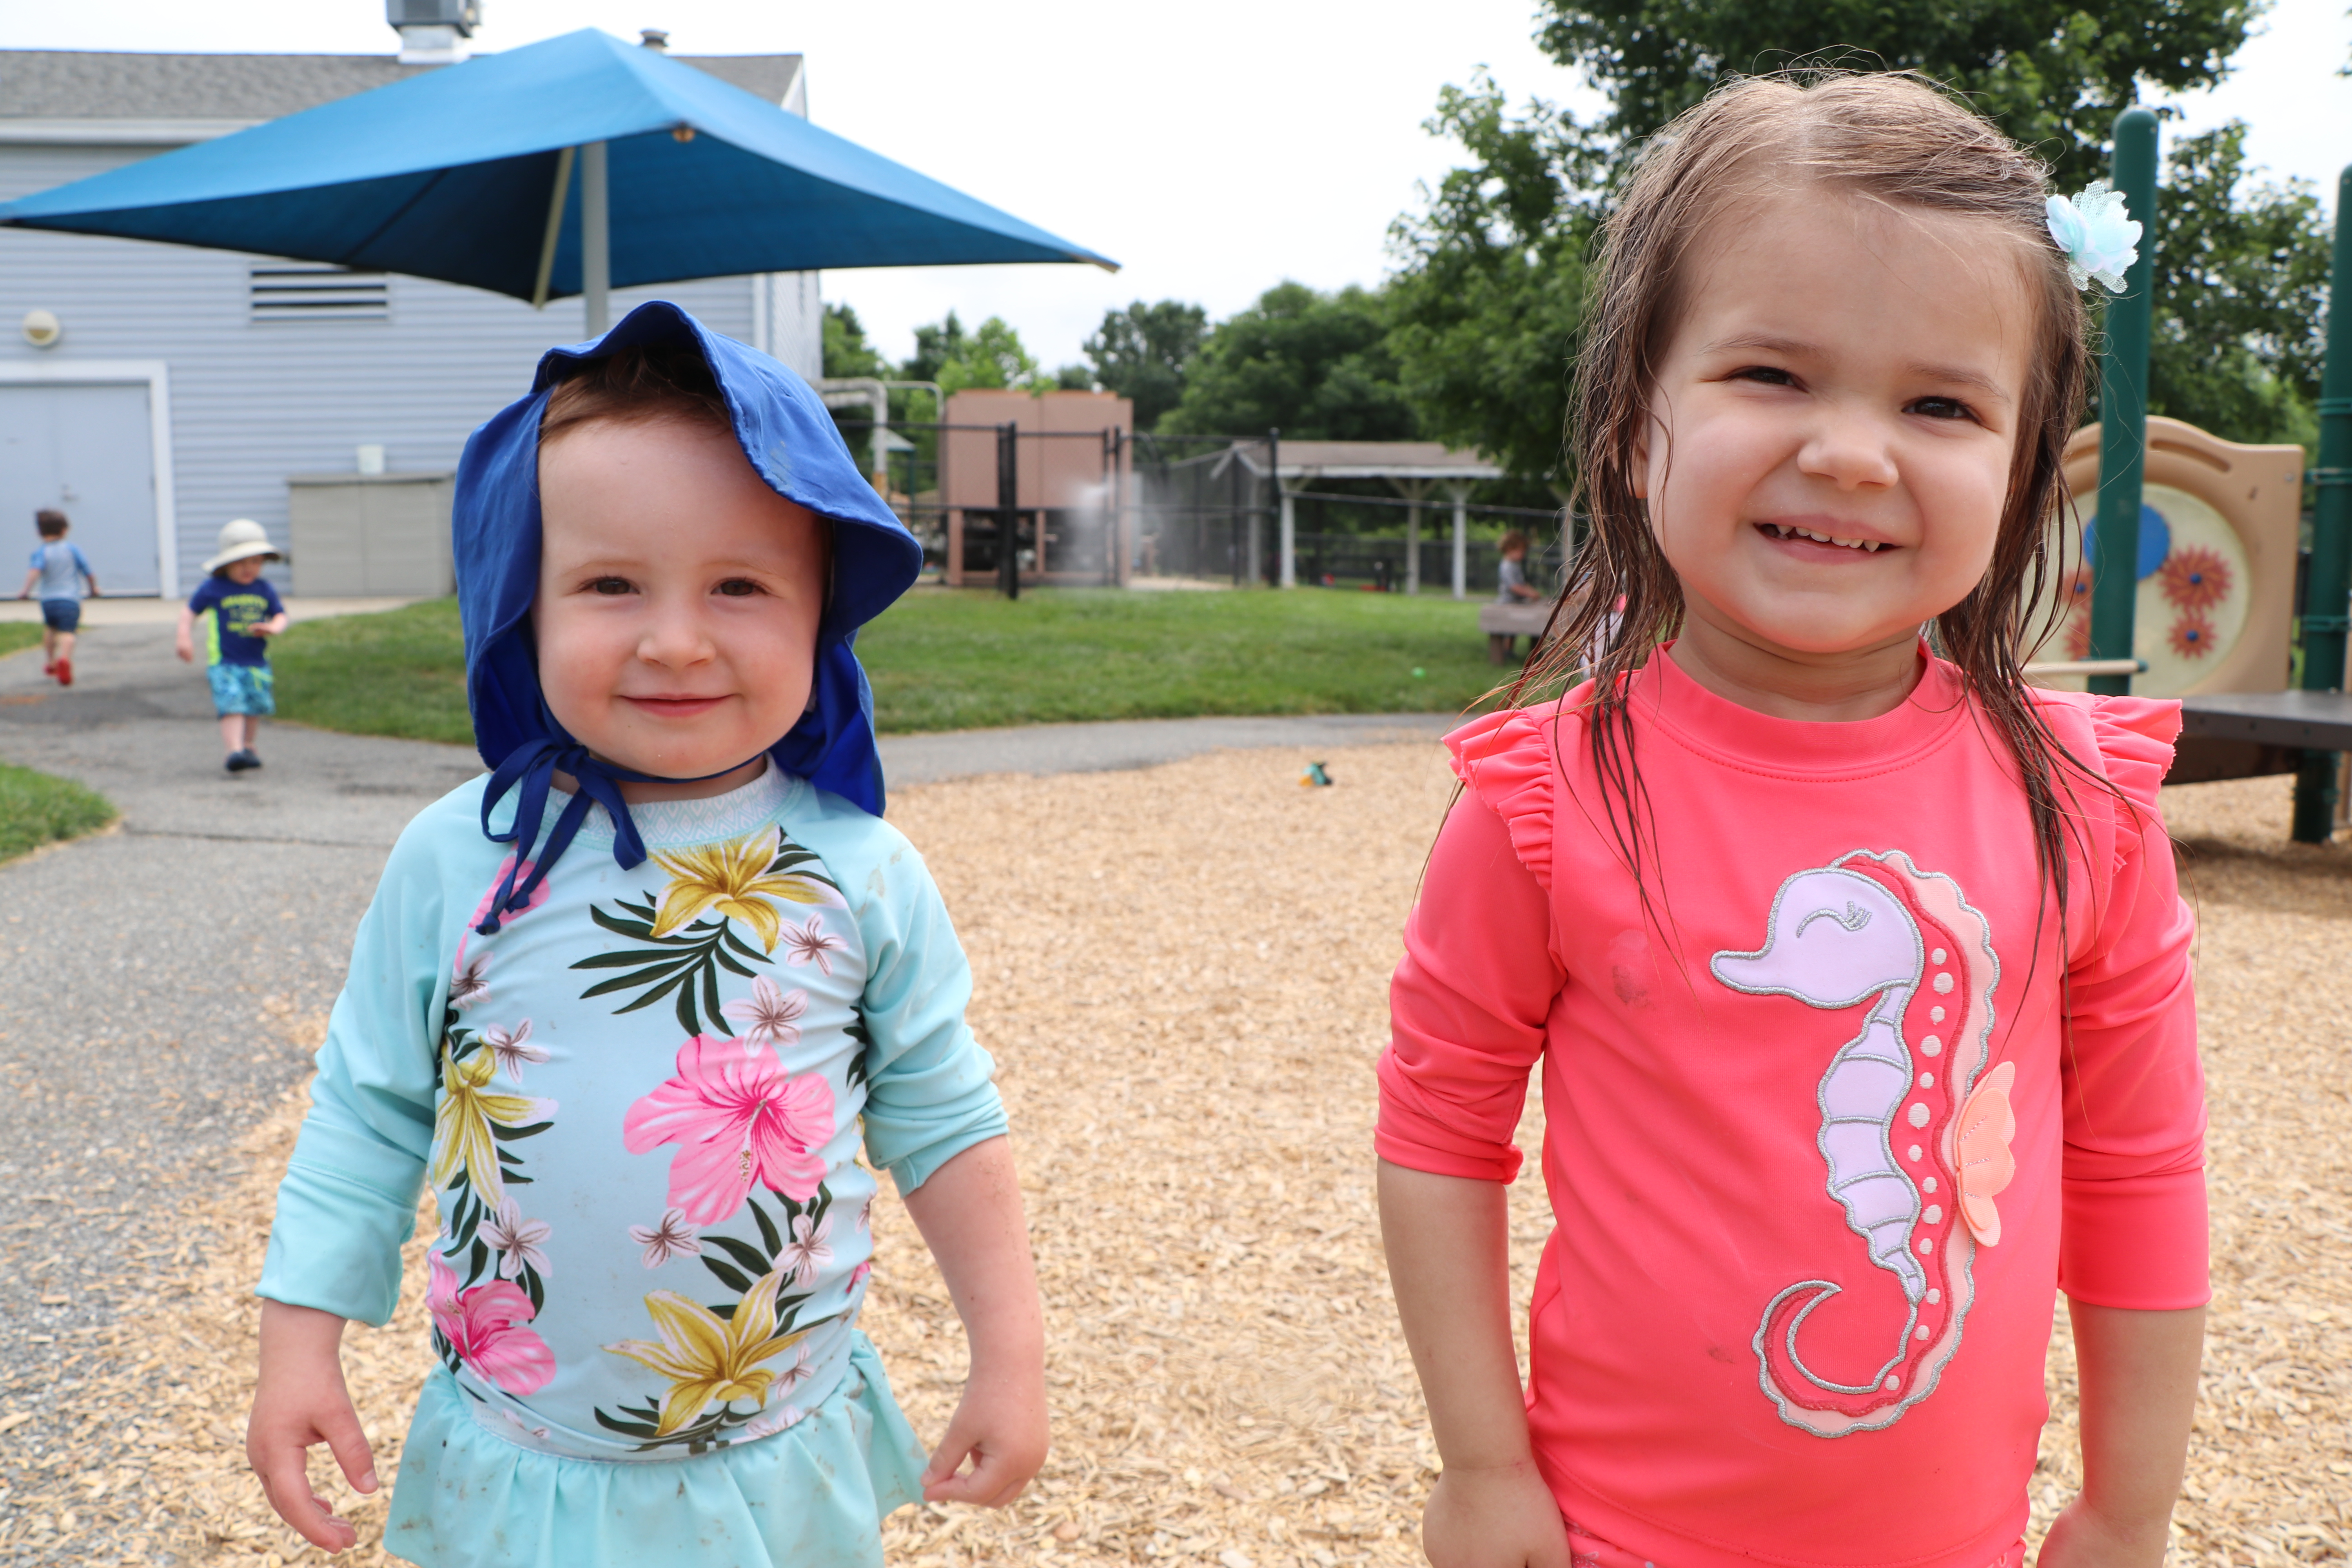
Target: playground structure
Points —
{"points": [[2154, 483]]}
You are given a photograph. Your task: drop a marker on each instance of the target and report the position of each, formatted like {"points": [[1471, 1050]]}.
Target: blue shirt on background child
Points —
{"points": [[228, 610], [63, 570]]}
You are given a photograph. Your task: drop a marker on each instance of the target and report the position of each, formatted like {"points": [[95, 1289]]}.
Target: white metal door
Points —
{"points": [[89, 451]]}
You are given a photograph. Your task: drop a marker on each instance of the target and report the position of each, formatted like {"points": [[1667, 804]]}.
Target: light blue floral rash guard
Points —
{"points": [[637, 1090]]}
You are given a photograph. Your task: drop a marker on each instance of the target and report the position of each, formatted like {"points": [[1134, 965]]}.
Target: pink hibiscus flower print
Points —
{"points": [[811, 943], [537, 894], [770, 1011], [484, 1326], [737, 1119]]}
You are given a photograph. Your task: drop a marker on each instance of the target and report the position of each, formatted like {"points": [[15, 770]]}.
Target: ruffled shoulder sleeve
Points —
{"points": [[1506, 760], [2129, 740], [2133, 736]]}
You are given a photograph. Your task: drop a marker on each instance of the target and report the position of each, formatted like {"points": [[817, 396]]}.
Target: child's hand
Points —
{"points": [[1503, 1517], [2080, 1538], [969, 1213], [186, 650], [301, 1400], [1000, 1427]]}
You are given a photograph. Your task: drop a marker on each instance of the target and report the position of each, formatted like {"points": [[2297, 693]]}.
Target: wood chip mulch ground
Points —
{"points": [[1182, 976]]}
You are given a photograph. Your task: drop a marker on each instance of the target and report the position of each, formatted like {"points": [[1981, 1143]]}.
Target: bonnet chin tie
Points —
{"points": [[530, 769]]}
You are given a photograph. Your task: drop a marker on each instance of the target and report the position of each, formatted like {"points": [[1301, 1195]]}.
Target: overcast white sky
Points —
{"points": [[1214, 149]]}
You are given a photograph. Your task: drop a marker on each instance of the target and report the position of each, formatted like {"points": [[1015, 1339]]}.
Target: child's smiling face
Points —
{"points": [[1837, 370], [679, 599]]}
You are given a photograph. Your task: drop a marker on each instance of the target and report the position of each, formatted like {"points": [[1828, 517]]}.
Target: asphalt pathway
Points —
{"points": [[161, 974]]}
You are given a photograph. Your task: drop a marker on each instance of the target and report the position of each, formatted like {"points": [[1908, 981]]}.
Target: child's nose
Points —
{"points": [[1851, 451], [674, 636]]}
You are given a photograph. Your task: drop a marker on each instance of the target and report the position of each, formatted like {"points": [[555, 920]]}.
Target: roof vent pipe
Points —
{"points": [[655, 39], [433, 32]]}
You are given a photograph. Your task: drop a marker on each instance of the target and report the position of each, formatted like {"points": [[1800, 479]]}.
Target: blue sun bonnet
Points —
{"points": [[792, 445]]}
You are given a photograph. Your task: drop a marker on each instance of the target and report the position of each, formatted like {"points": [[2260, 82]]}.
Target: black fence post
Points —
{"points": [[1008, 509]]}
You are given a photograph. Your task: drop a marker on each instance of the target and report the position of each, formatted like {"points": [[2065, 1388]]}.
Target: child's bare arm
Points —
{"points": [[970, 1215], [32, 581], [184, 640], [301, 1400], [270, 628], [2139, 1400], [1448, 1249]]}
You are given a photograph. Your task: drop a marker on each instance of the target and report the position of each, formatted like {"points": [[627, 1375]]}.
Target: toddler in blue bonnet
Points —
{"points": [[632, 1048]]}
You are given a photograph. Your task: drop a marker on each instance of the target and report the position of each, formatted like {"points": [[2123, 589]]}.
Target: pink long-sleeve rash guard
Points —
{"points": [[1823, 1125]]}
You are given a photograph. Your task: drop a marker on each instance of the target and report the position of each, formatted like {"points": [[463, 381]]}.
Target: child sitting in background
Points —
{"points": [[58, 570], [637, 1089], [237, 609]]}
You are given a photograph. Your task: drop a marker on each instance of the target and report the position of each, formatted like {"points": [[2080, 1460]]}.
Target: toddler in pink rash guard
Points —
{"points": [[1856, 969]]}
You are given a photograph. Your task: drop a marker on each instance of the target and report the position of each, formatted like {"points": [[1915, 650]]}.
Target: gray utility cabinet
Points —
{"points": [[371, 535]]}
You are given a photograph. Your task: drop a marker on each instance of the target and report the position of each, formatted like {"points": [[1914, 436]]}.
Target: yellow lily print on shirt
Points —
{"points": [[462, 1138], [737, 878], [708, 1358]]}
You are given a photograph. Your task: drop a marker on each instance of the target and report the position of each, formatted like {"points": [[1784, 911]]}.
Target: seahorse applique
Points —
{"points": [[1915, 1132]]}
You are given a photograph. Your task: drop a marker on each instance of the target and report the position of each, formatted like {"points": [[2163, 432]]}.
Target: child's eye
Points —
{"points": [[1770, 374], [609, 585], [1943, 409], [738, 587]]}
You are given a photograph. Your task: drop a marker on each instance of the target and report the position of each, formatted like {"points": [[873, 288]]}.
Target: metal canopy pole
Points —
{"points": [[2123, 410], [596, 238], [2328, 593], [1008, 505], [555, 200]]}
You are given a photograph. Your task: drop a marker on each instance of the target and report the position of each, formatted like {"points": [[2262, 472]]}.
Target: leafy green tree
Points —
{"points": [[1489, 272], [1074, 378], [1490, 290], [1145, 353], [1318, 366], [992, 356], [2053, 73], [847, 351], [2241, 287]]}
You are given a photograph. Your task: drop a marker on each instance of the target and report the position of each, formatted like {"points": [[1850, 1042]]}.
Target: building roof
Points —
{"points": [[1370, 460], [224, 91]]}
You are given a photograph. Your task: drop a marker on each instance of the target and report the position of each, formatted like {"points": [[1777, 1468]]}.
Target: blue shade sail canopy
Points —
{"points": [[453, 174]]}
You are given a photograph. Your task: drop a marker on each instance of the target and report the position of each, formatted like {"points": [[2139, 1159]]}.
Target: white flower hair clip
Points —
{"points": [[2099, 241]]}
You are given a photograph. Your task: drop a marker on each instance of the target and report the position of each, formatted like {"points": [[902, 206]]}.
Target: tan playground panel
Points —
{"points": [[2216, 614]]}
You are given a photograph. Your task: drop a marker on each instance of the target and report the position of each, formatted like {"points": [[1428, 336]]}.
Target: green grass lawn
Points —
{"points": [[37, 809], [945, 660], [15, 635]]}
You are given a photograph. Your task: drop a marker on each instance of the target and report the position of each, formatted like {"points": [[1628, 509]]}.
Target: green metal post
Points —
{"points": [[2328, 596], [2123, 409]]}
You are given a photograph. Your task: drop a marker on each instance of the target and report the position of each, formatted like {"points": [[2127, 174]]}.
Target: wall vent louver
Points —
{"points": [[299, 292]]}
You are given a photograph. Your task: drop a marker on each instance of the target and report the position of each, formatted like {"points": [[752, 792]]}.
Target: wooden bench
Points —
{"points": [[1505, 623]]}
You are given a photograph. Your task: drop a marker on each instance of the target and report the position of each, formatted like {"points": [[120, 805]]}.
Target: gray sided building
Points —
{"points": [[187, 387]]}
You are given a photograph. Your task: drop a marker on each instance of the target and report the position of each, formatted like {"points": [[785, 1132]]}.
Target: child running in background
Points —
{"points": [[628, 1004], [1855, 968], [59, 570], [238, 610]]}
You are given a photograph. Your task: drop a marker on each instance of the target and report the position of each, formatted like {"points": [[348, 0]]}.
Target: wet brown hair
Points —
{"points": [[1512, 541], [51, 522], [1897, 142], [637, 386]]}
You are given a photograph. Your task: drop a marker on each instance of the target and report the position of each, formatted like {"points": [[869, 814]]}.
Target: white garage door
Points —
{"points": [[90, 452]]}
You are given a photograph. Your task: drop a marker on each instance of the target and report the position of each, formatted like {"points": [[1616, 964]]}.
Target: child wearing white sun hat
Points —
{"points": [[238, 610]]}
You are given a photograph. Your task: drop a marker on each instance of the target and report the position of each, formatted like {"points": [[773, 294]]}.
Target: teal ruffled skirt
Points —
{"points": [[813, 1496]]}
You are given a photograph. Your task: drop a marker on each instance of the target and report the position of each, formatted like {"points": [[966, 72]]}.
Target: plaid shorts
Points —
{"points": [[242, 689]]}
